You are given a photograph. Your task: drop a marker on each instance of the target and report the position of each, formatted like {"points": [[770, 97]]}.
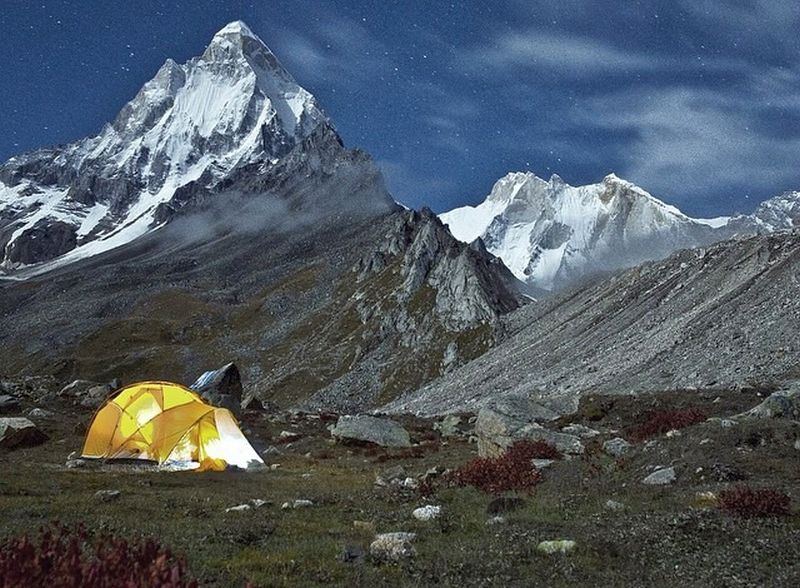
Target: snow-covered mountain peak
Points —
{"points": [[190, 128], [237, 28], [549, 232]]}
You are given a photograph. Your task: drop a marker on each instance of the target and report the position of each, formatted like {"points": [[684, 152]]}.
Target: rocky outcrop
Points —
{"points": [[499, 426], [42, 242], [468, 284], [781, 404], [221, 387]]}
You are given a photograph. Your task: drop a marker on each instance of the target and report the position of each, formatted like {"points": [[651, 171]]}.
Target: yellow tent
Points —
{"points": [[169, 424]]}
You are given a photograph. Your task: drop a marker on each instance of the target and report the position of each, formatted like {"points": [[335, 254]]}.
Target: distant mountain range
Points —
{"points": [[220, 218], [551, 234]]}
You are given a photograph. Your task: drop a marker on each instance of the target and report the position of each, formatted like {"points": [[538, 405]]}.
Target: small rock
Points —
{"points": [[239, 508], [581, 431], [540, 464], [301, 503], [19, 432], [393, 475], [433, 472], [393, 547], [705, 441], [427, 513], [274, 466], [616, 447], [661, 477], [448, 426], [271, 451], [614, 505], [107, 495], [797, 444], [8, 403], [706, 500], [352, 554], [305, 476], [557, 546], [289, 436], [673, 433], [727, 423], [496, 520], [409, 483], [75, 463], [39, 413]]}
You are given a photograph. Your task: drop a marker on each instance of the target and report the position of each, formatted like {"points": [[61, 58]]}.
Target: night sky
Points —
{"points": [[697, 101]]}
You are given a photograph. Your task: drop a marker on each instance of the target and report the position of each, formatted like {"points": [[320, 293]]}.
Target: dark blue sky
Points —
{"points": [[698, 101]]}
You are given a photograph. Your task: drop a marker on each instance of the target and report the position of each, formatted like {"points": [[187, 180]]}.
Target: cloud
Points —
{"points": [[702, 139], [541, 49], [336, 50]]}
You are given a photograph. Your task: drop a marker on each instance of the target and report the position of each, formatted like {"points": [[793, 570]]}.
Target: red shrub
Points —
{"points": [[660, 422], [63, 557], [512, 470], [745, 501]]}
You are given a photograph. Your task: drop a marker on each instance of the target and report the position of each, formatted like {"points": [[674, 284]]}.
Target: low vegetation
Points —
{"points": [[65, 557], [744, 501], [660, 422], [511, 471]]}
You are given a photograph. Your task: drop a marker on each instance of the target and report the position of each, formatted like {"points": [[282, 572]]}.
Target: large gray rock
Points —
{"points": [[781, 404], [616, 447], [19, 432], [661, 477], [221, 387], [501, 424], [370, 429]]}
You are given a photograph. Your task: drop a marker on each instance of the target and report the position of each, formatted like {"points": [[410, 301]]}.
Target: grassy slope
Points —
{"points": [[661, 539]]}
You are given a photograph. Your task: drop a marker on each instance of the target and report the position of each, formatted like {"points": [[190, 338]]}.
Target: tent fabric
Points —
{"points": [[167, 423]]}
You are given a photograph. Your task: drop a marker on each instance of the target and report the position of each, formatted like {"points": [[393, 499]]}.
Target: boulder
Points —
{"points": [[19, 432], [393, 547], [616, 447], [221, 387], [557, 546], [661, 477], [8, 403], [370, 429], [498, 426], [781, 404], [427, 513]]}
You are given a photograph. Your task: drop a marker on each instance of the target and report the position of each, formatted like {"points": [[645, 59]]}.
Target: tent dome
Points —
{"points": [[167, 423]]}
